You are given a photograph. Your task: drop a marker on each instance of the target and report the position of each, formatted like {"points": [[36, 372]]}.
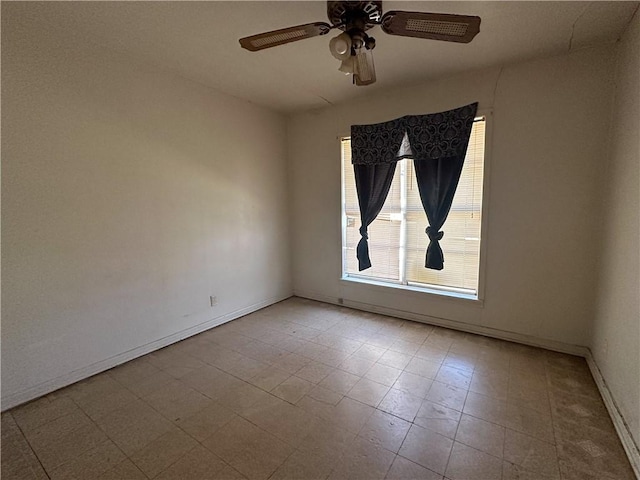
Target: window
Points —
{"points": [[397, 238]]}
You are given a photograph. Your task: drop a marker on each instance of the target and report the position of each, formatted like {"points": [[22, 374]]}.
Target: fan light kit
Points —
{"points": [[353, 47]]}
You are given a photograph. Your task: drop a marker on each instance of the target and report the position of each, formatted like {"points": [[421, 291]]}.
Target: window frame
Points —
{"points": [[435, 290]]}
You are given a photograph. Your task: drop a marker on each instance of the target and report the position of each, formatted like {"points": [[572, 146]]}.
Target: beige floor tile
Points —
{"points": [[380, 339], [313, 351], [385, 430], [247, 368], [125, 470], [530, 422], [401, 404], [369, 392], [357, 365], [438, 418], [595, 450], [370, 352], [258, 351], [41, 411], [324, 395], [50, 432], [467, 463], [101, 384], [314, 372], [530, 453], [204, 423], [364, 461], [67, 447], [403, 469], [98, 405], [575, 469], [422, 367], [269, 378], [133, 427], [486, 408], [447, 395], [414, 384], [173, 362], [383, 374], [339, 381], [18, 459], [162, 452], [460, 360], [176, 400], [242, 397], [324, 409], [427, 448], [494, 386], [351, 414], [395, 359], [454, 377], [292, 389], [229, 473], [346, 345], [133, 372], [327, 440], [219, 356], [198, 464], [511, 471], [481, 435], [405, 347], [90, 464], [333, 357], [292, 362], [249, 449], [488, 363], [287, 422], [211, 381], [304, 465], [150, 384], [431, 353]]}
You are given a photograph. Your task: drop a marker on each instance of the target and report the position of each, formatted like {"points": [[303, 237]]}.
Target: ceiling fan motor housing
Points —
{"points": [[349, 15]]}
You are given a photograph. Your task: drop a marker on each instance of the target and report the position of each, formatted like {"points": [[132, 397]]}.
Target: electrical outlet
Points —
{"points": [[213, 300]]}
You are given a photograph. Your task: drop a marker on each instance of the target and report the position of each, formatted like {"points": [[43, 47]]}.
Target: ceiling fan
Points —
{"points": [[353, 46]]}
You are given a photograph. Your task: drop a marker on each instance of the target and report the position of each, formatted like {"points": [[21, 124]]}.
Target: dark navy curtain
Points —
{"points": [[437, 143], [376, 147]]}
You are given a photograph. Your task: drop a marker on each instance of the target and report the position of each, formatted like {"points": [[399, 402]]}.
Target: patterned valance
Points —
{"points": [[432, 136]]}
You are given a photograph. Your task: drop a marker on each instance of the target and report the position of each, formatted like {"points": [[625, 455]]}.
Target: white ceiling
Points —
{"points": [[199, 40]]}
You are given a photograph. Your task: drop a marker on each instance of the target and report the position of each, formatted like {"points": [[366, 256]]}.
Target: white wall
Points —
{"points": [[549, 140], [130, 195], [616, 332]]}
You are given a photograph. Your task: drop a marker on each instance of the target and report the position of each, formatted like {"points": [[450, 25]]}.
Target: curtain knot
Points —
{"points": [[363, 233], [433, 234]]}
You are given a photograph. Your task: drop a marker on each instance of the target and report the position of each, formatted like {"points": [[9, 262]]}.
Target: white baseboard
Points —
{"points": [[31, 393], [554, 345], [630, 446]]}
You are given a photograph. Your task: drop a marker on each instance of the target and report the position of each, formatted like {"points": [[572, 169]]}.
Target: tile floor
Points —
{"points": [[305, 390]]}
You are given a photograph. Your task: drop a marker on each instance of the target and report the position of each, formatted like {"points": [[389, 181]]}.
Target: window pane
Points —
{"points": [[461, 241], [384, 232]]}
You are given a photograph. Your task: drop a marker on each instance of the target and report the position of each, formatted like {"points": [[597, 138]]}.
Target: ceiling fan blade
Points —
{"points": [[364, 71], [434, 26], [284, 35]]}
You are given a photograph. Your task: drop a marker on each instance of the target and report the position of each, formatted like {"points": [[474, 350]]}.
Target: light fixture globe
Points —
{"points": [[340, 46]]}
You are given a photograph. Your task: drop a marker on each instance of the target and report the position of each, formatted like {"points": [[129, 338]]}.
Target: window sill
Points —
{"points": [[436, 293]]}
